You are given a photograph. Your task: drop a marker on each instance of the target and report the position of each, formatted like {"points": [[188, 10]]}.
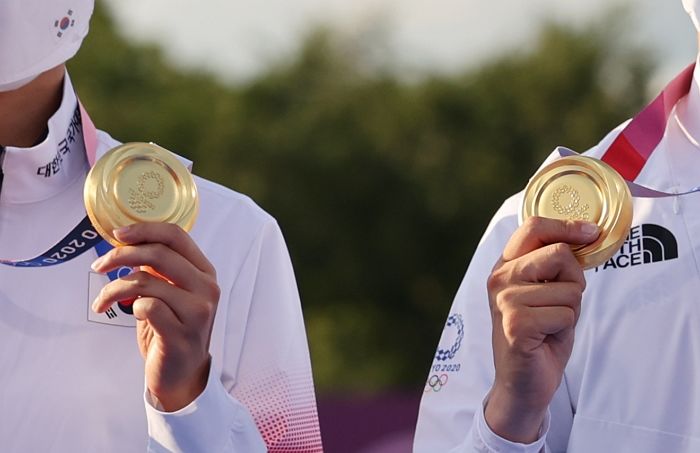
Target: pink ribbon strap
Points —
{"points": [[632, 148]]}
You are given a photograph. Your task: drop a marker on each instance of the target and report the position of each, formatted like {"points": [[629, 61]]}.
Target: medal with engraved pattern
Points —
{"points": [[139, 182], [583, 188]]}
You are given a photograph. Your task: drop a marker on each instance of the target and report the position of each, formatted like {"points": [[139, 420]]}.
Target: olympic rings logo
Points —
{"points": [[436, 383]]}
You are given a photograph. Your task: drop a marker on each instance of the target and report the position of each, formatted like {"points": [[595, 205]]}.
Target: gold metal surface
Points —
{"points": [[139, 182], [582, 188]]}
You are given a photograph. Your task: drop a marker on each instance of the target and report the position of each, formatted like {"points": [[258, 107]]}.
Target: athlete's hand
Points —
{"points": [[535, 294], [176, 297]]}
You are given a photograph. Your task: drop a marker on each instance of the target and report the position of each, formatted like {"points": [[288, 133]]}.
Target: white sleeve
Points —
{"points": [[483, 440], [213, 422], [262, 399], [451, 413]]}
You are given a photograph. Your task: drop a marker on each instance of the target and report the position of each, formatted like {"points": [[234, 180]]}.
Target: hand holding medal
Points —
{"points": [[141, 199]]}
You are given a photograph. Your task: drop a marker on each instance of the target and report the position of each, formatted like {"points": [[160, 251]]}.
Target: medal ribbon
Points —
{"points": [[632, 148], [636, 190], [84, 236]]}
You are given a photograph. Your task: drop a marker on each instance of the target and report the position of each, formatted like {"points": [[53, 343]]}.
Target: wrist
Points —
{"points": [[513, 419], [174, 399]]}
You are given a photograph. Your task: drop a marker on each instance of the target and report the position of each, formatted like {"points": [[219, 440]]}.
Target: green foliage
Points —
{"points": [[383, 187]]}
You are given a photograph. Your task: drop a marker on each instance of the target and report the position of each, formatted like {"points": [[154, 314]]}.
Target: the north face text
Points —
{"points": [[645, 244]]}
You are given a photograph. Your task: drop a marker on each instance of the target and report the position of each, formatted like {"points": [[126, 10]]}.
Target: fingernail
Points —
{"points": [[120, 232], [94, 306], [589, 229], [96, 264]]}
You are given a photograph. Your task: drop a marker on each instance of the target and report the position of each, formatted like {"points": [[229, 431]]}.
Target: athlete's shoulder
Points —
{"points": [[226, 204]]}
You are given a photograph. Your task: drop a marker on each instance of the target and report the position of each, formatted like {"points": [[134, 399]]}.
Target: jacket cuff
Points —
{"points": [[213, 422], [486, 441]]}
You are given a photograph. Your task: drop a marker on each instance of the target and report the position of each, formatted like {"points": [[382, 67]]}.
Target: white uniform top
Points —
{"points": [[69, 384], [633, 381]]}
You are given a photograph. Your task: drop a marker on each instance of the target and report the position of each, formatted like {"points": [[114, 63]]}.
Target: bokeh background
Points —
{"points": [[383, 135]]}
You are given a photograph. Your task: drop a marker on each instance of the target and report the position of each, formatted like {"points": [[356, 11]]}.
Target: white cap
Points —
{"points": [[37, 35], [691, 7]]}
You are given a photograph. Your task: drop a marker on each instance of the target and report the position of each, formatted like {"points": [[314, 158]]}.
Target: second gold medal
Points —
{"points": [[583, 188]]}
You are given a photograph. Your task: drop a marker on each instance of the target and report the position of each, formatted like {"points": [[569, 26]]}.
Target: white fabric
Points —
{"points": [[71, 385], [631, 384], [484, 440], [37, 35], [691, 7]]}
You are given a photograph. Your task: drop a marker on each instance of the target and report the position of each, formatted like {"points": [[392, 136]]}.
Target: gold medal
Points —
{"points": [[582, 188], [139, 182]]}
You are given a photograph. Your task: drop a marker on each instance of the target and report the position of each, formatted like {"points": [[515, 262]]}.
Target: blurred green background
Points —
{"points": [[382, 185]]}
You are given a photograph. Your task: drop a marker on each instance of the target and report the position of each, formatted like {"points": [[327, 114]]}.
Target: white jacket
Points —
{"points": [[633, 381], [71, 381]]}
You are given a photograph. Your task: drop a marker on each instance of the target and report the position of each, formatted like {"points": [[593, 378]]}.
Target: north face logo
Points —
{"points": [[645, 244]]}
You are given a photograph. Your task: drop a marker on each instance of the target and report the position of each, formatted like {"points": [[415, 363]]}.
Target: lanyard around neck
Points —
{"points": [[84, 236]]}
